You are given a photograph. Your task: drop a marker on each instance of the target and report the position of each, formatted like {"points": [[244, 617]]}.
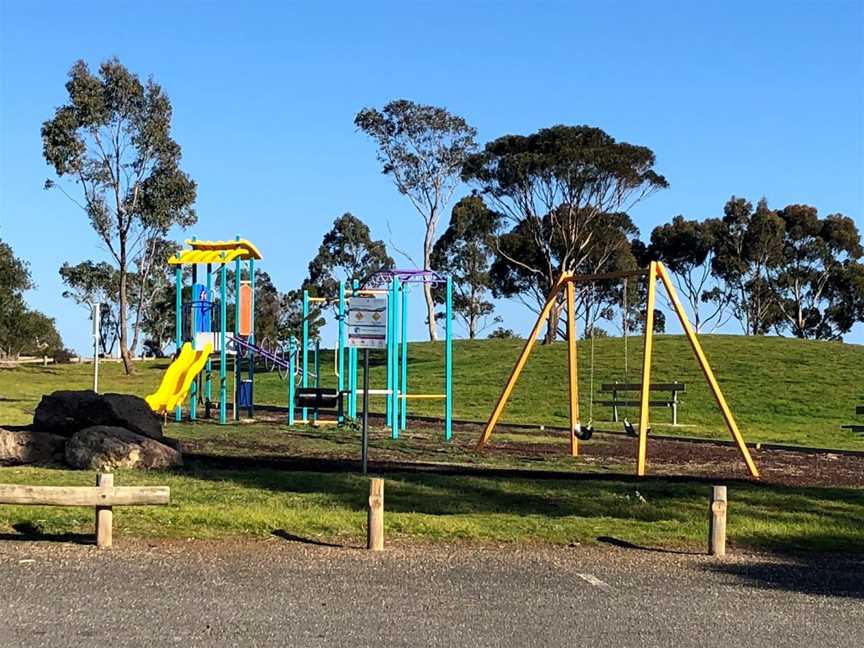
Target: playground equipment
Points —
{"points": [[395, 285], [203, 340], [199, 335], [179, 378], [566, 283]]}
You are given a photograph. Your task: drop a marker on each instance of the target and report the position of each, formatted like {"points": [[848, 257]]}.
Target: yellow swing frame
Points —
{"points": [[567, 283]]}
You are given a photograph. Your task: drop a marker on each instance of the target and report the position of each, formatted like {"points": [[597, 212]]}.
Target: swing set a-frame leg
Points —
{"points": [[523, 358], [706, 369], [572, 371], [647, 354]]}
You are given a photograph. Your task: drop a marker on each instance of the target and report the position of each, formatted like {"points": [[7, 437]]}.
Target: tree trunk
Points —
{"points": [[552, 324], [428, 241], [124, 333]]}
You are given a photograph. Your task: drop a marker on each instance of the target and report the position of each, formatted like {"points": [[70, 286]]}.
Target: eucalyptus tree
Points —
{"points": [[816, 279], [687, 247], [466, 251], [553, 187], [422, 148], [112, 140]]}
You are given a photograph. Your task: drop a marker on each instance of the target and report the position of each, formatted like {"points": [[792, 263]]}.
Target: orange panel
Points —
{"points": [[245, 327]]}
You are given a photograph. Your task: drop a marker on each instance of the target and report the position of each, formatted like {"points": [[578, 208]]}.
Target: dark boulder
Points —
{"points": [[125, 410], [106, 448], [66, 412], [18, 447], [63, 411]]}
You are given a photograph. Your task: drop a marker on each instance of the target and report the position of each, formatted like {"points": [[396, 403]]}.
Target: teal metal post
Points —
{"points": [[317, 365], [252, 338], [448, 363], [193, 326], [340, 350], [304, 365], [223, 324], [352, 368], [404, 391], [238, 354], [393, 360], [178, 322], [208, 387]]}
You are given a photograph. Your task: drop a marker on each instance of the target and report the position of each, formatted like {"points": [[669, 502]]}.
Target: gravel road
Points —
{"points": [[286, 593]]}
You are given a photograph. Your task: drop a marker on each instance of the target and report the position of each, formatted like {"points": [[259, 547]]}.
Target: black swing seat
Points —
{"points": [[584, 432], [630, 430], [316, 397]]}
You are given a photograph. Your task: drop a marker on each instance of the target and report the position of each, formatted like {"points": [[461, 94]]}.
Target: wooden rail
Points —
{"points": [[103, 496]]}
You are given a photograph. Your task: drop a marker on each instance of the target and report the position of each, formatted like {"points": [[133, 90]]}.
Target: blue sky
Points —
{"points": [[744, 98]]}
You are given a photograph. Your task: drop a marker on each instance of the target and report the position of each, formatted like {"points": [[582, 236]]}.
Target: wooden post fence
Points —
{"points": [[103, 497], [717, 524], [375, 530]]}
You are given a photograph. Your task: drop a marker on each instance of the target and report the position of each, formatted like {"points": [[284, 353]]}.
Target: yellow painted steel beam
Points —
{"points": [[647, 352], [215, 252], [422, 396], [231, 244], [523, 358], [606, 276], [709, 373], [572, 368]]}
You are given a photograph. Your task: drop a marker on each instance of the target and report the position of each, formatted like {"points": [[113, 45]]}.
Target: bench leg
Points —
{"points": [[104, 514], [615, 407], [674, 413]]}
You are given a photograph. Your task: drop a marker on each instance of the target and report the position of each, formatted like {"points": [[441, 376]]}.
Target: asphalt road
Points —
{"points": [[285, 593]]}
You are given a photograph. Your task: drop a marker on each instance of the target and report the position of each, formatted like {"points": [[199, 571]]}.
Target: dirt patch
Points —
{"points": [[516, 448]]}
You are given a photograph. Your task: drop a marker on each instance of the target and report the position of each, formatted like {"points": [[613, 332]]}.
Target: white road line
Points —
{"points": [[596, 582]]}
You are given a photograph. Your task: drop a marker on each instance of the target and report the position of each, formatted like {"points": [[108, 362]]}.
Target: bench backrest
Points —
{"points": [[316, 397], [672, 387]]}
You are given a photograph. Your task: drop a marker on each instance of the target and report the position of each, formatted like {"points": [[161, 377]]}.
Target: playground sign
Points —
{"points": [[367, 323]]}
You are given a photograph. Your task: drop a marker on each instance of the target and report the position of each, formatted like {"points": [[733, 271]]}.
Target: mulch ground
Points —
{"points": [[534, 449]]}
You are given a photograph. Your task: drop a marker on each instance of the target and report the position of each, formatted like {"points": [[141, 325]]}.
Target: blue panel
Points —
{"points": [[202, 307]]}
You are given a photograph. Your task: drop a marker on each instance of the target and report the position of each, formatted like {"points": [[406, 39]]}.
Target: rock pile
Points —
{"points": [[91, 431]]}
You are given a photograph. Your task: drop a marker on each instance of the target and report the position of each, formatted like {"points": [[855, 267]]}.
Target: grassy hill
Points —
{"points": [[781, 390]]}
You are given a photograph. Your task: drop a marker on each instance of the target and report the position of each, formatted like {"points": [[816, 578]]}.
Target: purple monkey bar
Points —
{"points": [[408, 275]]}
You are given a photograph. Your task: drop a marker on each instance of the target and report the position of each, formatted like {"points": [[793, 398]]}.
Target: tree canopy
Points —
{"points": [[112, 139], [556, 187], [422, 148], [466, 251], [22, 330], [347, 253]]}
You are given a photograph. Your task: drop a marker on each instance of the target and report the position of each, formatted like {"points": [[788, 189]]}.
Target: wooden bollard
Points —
{"points": [[717, 522], [375, 523], [104, 514]]}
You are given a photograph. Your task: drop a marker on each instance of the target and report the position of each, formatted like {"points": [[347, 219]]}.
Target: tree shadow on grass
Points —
{"points": [[456, 490], [838, 577], [29, 532]]}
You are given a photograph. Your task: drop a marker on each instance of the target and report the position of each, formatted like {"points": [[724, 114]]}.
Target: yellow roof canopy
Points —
{"points": [[216, 252]]}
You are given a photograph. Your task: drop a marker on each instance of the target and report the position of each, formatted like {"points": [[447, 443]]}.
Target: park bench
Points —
{"points": [[103, 496], [856, 427], [621, 396]]}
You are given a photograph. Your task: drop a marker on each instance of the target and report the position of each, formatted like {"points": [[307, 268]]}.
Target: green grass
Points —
{"points": [[212, 503], [780, 390], [785, 391]]}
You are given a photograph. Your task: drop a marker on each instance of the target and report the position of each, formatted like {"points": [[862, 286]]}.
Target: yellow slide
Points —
{"points": [[177, 380]]}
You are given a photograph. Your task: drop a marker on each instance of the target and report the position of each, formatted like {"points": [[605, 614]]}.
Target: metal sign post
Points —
{"points": [[367, 329], [95, 313], [365, 440]]}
